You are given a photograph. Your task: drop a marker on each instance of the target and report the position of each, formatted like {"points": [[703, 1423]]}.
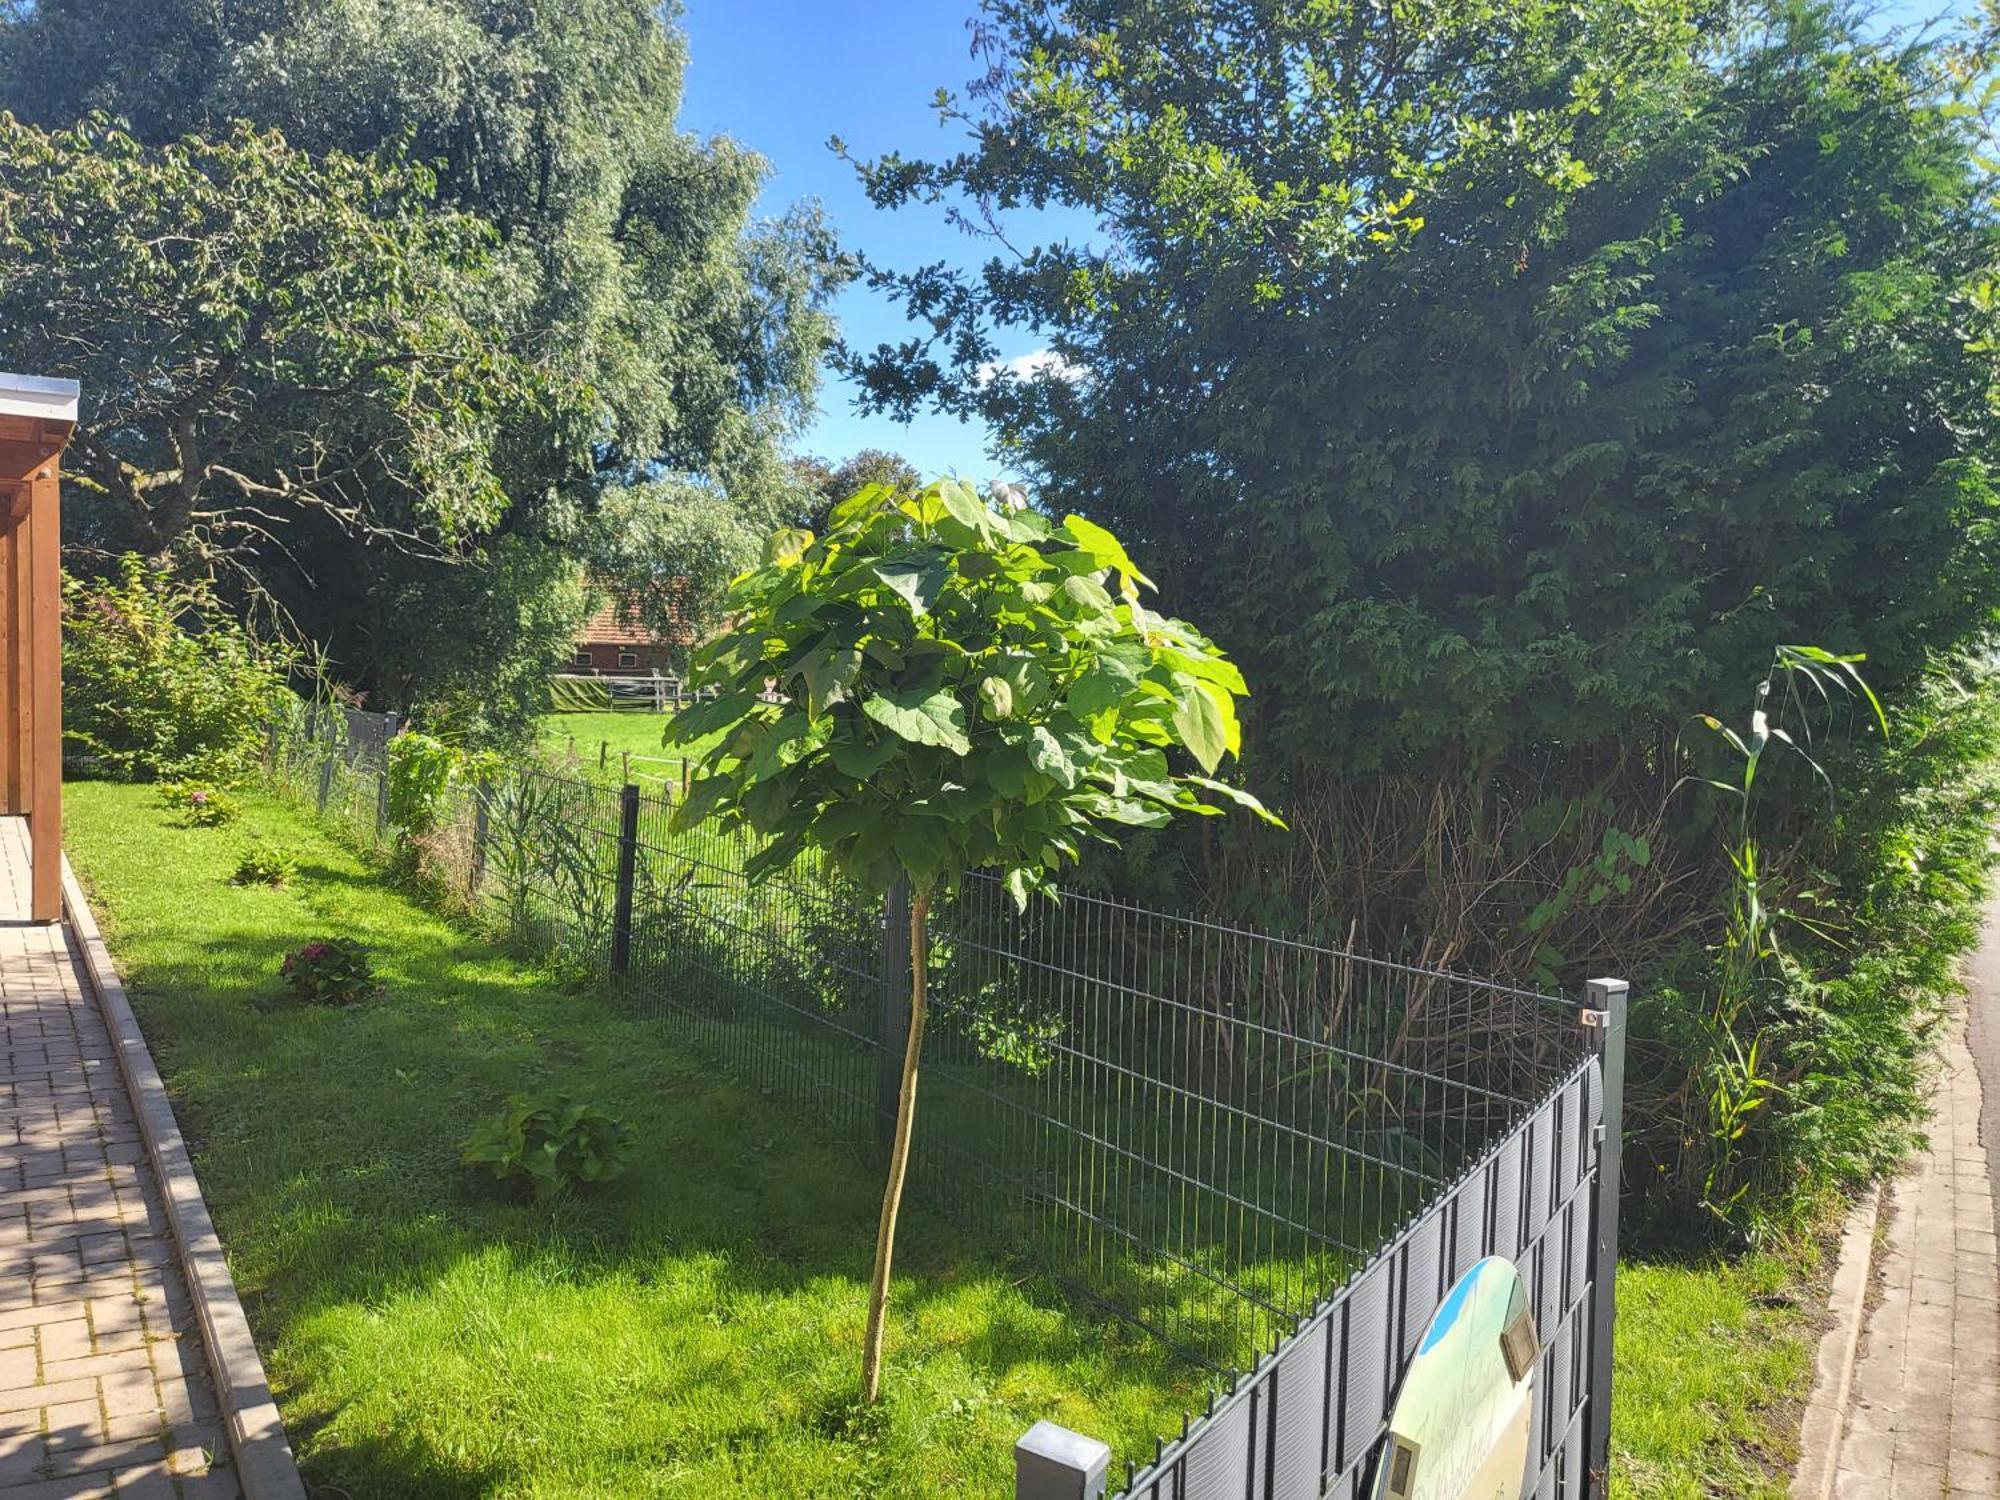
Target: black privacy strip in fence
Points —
{"points": [[1326, 1394]]}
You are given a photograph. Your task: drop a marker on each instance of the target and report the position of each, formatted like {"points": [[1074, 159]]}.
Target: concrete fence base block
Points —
{"points": [[1053, 1463]]}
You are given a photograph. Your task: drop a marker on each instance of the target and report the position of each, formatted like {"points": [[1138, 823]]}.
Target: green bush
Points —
{"points": [[159, 680], [200, 804], [554, 1143], [260, 864], [331, 971]]}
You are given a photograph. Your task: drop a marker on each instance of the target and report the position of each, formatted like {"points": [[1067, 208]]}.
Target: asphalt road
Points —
{"points": [[1983, 1035]]}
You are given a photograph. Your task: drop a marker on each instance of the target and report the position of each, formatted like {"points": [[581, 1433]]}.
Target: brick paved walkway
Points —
{"points": [[103, 1384], [1925, 1416]]}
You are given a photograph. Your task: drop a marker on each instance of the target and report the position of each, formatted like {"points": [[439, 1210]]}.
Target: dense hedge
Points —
{"points": [[1502, 415]]}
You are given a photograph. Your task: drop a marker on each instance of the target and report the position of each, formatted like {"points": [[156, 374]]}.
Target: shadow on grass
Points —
{"points": [[703, 1314]]}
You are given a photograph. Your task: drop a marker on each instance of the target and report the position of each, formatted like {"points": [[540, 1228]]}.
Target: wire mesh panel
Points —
{"points": [[779, 977], [1207, 1127], [338, 758], [550, 861]]}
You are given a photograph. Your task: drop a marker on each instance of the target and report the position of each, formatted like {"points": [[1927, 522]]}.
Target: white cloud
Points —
{"points": [[1038, 364]]}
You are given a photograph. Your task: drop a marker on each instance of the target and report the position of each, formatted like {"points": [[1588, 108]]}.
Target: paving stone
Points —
{"points": [[1925, 1409], [88, 1282]]}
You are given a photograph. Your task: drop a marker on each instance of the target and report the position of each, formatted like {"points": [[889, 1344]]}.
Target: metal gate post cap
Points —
{"points": [[1597, 987], [1053, 1463]]}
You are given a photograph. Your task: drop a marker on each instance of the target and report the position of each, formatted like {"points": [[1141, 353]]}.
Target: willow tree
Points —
{"points": [[964, 688]]}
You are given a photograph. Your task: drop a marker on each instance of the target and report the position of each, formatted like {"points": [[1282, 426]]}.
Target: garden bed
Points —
{"points": [[694, 1329]]}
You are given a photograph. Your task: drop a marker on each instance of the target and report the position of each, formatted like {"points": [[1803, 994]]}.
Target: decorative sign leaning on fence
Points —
{"points": [[1461, 1427], [1277, 1157]]}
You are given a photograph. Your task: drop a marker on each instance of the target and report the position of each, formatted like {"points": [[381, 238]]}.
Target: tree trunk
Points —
{"points": [[899, 1157]]}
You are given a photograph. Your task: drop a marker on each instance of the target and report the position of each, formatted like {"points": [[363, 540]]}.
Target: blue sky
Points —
{"points": [[782, 76]]}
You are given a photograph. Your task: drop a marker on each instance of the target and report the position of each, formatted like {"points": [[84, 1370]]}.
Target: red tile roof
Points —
{"points": [[618, 623]]}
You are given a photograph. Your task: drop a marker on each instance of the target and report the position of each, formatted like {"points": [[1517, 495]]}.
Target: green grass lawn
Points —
{"points": [[610, 734], [693, 1330], [1713, 1363]]}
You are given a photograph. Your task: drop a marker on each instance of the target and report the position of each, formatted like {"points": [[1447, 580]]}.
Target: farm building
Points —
{"points": [[618, 642]]}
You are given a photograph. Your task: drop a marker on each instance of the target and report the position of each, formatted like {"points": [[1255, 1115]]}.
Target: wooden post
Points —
{"points": [[627, 878], [20, 759], [36, 419], [45, 667], [11, 711]]}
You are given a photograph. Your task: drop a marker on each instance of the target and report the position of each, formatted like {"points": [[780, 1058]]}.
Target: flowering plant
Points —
{"points": [[331, 971], [201, 805]]}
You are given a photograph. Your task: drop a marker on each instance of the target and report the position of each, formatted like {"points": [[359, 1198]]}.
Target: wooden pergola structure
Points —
{"points": [[37, 416]]}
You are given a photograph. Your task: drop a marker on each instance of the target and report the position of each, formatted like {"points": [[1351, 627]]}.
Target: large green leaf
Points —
{"points": [[924, 846], [938, 719], [861, 759], [1199, 723], [1105, 548], [1047, 755], [917, 576]]}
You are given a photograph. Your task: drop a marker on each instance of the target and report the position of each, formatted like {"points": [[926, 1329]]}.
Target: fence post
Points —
{"points": [[628, 869], [326, 778], [1053, 1463], [895, 1018], [482, 794], [382, 776], [1604, 1012]]}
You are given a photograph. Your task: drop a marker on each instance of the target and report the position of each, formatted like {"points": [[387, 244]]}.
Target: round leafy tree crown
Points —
{"points": [[957, 687]]}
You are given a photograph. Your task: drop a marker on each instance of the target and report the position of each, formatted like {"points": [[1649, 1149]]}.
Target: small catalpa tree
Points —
{"points": [[964, 688]]}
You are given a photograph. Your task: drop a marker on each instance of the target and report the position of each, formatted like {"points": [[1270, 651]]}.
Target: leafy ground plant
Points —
{"points": [[201, 805], [967, 688], [330, 971], [262, 864], [553, 1143]]}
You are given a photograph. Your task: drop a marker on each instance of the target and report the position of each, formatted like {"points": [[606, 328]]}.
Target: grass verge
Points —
{"points": [[692, 1331], [1714, 1362]]}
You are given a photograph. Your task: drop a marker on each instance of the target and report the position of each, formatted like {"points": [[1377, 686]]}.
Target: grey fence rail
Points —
{"points": [[1276, 1156]]}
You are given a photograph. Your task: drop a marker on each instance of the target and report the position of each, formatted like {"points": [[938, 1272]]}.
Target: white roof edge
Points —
{"points": [[51, 398]]}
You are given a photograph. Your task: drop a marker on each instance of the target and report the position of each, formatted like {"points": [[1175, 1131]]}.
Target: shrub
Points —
{"points": [[554, 1143], [201, 805], [422, 769], [260, 864], [332, 971], [159, 680]]}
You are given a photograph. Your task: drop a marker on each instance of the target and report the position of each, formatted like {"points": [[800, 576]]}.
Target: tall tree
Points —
{"points": [[268, 337], [625, 258], [824, 485], [1500, 381]]}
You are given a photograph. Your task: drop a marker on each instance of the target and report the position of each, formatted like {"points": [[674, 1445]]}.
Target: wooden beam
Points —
{"points": [[45, 683], [10, 772], [19, 627]]}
